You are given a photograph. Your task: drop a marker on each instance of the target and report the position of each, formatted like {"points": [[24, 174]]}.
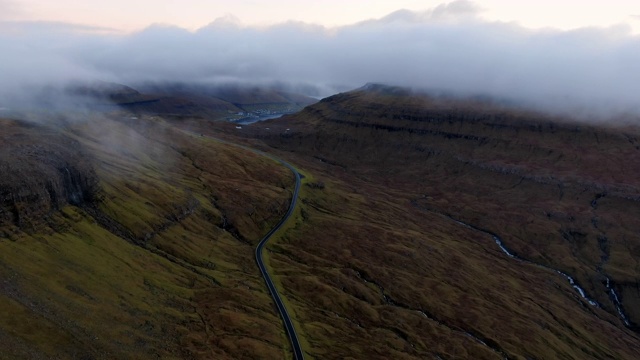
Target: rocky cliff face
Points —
{"points": [[41, 170]]}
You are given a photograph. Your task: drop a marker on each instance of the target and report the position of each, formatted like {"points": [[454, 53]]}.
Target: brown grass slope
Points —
{"points": [[158, 264], [376, 266]]}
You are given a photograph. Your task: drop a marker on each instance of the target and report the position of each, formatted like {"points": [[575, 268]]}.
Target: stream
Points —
{"points": [[611, 291], [616, 302], [571, 281], [252, 120]]}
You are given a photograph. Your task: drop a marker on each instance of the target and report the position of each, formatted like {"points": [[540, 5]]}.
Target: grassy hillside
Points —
{"points": [[393, 254], [161, 265]]}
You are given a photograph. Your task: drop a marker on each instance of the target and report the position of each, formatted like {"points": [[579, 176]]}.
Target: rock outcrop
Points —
{"points": [[41, 170]]}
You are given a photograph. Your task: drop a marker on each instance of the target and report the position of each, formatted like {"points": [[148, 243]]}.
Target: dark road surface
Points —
{"points": [[291, 331], [288, 324]]}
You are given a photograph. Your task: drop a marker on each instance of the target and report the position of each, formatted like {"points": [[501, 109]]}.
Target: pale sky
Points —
{"points": [[133, 15], [488, 47]]}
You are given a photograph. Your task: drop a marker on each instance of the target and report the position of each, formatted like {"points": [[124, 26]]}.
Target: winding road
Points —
{"points": [[291, 331], [298, 354]]}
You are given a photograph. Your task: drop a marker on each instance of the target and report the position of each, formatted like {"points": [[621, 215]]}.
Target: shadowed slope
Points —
{"points": [[378, 266]]}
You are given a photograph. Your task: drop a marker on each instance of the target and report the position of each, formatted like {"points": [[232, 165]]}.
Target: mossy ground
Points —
{"points": [[171, 274], [373, 251], [371, 266]]}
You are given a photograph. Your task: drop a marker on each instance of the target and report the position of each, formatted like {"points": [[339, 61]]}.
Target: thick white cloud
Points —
{"points": [[9, 9], [447, 48]]}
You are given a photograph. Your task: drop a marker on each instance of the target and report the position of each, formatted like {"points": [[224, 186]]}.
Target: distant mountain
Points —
{"points": [[104, 91], [233, 93], [176, 100], [224, 101]]}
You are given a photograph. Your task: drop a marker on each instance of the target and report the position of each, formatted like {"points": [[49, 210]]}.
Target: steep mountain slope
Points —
{"points": [[42, 172], [441, 228], [153, 259]]}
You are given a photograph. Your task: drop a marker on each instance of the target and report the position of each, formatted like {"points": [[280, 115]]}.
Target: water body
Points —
{"points": [[252, 120]]}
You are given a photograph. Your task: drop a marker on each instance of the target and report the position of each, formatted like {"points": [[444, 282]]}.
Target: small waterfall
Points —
{"points": [[575, 286], [504, 249], [616, 302], [73, 190]]}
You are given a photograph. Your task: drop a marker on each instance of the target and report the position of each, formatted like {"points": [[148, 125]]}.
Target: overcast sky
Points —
{"points": [[457, 47], [131, 15]]}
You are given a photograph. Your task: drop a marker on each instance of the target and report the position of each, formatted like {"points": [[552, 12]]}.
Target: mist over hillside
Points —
{"points": [[422, 185], [585, 72]]}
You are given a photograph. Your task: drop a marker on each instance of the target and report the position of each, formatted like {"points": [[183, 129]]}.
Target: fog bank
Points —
{"points": [[448, 48]]}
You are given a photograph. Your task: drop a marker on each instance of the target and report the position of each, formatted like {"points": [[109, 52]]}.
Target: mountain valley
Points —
{"points": [[427, 227]]}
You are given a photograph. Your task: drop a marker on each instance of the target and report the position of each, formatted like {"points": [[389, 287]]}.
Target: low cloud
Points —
{"points": [[10, 10], [448, 48]]}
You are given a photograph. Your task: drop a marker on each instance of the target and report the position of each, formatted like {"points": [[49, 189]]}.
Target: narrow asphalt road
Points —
{"points": [[298, 354], [291, 331]]}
